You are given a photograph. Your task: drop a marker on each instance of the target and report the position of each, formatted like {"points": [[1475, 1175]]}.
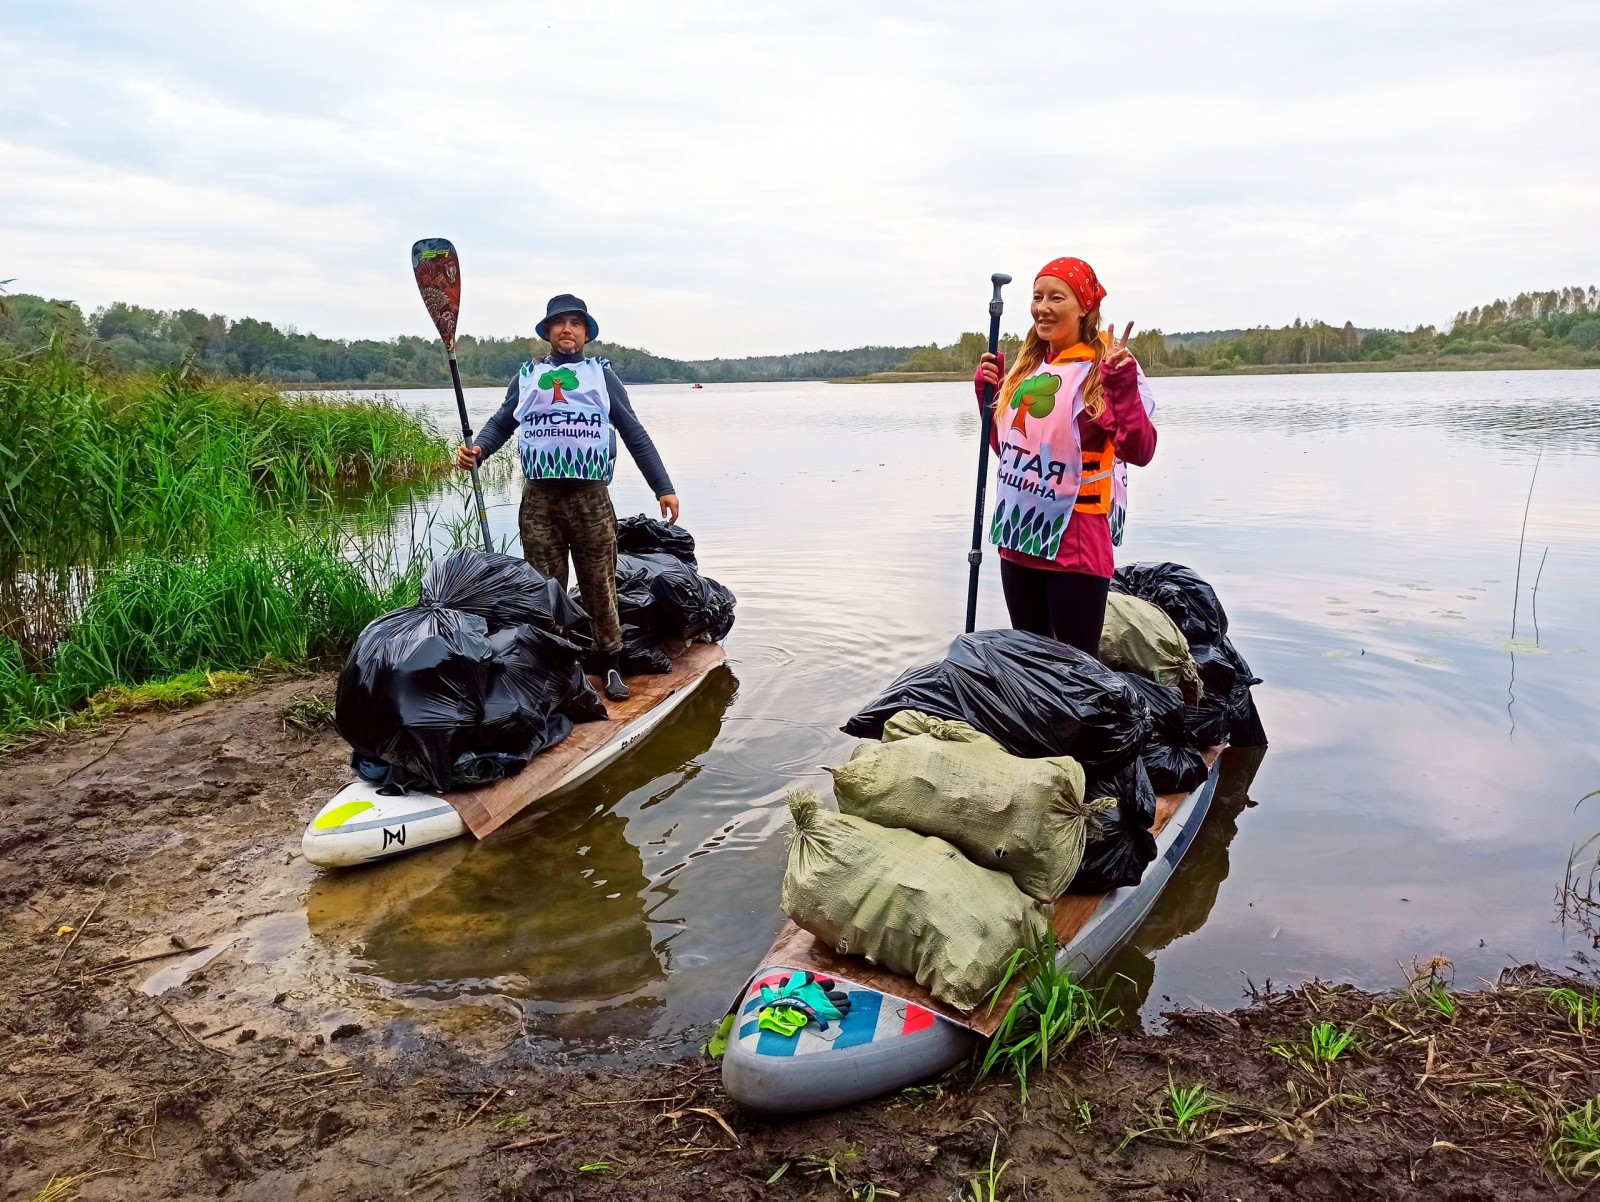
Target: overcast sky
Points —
{"points": [[751, 178]]}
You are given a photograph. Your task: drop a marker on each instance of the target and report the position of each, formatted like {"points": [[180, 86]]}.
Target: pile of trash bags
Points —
{"points": [[662, 600], [487, 669], [1226, 712], [1013, 770], [466, 686]]}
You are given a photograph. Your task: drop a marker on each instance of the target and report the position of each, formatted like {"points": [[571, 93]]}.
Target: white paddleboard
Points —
{"points": [[360, 825]]}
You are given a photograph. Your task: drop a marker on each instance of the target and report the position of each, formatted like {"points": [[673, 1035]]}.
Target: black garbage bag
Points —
{"points": [[1174, 767], [537, 690], [503, 590], [1125, 847], [640, 655], [687, 606], [662, 599], [1245, 729], [1181, 594], [1217, 672], [644, 533], [1227, 712], [1033, 695], [430, 692], [1173, 763], [411, 691], [1165, 702]]}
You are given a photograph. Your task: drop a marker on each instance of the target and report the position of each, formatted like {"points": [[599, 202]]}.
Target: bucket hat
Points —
{"points": [[567, 303]]}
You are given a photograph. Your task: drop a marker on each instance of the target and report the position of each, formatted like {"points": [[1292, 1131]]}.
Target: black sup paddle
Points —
{"points": [[438, 272], [975, 556]]}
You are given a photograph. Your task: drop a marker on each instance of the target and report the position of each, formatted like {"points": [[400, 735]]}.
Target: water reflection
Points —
{"points": [[1186, 903], [1363, 532], [551, 909], [1487, 406]]}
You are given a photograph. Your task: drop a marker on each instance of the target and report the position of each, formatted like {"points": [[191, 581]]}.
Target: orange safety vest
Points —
{"points": [[1095, 484]]}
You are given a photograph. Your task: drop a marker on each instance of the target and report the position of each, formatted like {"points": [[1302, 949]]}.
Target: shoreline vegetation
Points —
{"points": [[174, 527], [1534, 330]]}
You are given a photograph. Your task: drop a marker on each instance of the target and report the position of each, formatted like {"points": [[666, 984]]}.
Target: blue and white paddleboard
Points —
{"points": [[885, 1042]]}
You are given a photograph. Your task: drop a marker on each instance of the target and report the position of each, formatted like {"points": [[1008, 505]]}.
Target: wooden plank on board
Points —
{"points": [[487, 809]]}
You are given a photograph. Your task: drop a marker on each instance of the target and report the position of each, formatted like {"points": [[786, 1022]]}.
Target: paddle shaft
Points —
{"points": [[466, 437], [975, 555]]}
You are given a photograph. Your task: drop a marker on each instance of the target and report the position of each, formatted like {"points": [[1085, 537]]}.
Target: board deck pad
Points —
{"points": [[487, 809], [798, 948]]}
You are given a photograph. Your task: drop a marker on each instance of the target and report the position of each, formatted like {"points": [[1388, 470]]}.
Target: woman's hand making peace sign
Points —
{"points": [[1117, 352]]}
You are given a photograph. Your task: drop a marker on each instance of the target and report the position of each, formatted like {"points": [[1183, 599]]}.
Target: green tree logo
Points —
{"points": [[557, 379], [1036, 397]]}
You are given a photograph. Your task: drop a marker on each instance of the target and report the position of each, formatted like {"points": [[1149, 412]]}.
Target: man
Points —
{"points": [[567, 412]]}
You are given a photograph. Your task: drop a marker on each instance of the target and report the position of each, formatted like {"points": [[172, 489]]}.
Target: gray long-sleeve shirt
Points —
{"points": [[624, 421]]}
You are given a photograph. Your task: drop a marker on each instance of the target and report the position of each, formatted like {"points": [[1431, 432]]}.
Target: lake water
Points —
{"points": [[1418, 798]]}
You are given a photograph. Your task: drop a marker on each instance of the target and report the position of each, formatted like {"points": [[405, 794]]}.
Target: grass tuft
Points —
{"points": [[1179, 1113], [985, 1186], [1582, 1012], [1324, 1044], [1575, 1152], [1050, 1011]]}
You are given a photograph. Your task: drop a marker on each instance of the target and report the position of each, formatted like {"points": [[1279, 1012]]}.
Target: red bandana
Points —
{"points": [[1078, 276]]}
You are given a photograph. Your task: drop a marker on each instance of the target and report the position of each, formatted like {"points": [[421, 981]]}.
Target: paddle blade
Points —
{"points": [[438, 272]]}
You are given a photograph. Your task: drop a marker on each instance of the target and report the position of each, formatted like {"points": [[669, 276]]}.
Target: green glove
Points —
{"points": [[782, 1019], [811, 994]]}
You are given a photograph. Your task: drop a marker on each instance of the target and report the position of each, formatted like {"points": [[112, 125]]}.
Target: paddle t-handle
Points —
{"points": [[437, 269], [975, 556]]}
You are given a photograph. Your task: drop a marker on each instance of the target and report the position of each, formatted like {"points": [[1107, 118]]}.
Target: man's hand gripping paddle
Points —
{"points": [[438, 272], [975, 556]]}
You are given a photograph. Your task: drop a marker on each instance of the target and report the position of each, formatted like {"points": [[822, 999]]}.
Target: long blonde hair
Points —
{"points": [[1036, 350]]}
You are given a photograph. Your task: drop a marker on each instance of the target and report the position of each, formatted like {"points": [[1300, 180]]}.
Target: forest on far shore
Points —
{"points": [[1559, 328]]}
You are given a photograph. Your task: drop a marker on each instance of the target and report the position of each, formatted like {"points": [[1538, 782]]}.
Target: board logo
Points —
{"points": [[390, 836]]}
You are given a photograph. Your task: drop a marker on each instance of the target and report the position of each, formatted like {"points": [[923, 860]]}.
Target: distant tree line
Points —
{"points": [[1560, 326], [132, 338]]}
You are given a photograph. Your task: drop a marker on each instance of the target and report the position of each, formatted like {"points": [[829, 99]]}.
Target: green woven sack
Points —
{"points": [[910, 903], [1025, 818], [1139, 637]]}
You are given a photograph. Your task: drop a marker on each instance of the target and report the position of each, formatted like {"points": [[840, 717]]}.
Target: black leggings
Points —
{"points": [[1069, 607]]}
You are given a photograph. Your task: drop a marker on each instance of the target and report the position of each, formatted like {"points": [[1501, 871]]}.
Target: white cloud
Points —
{"points": [[752, 178]]}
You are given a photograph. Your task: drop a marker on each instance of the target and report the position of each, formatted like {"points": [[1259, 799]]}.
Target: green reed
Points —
{"points": [[154, 527], [91, 464], [155, 615]]}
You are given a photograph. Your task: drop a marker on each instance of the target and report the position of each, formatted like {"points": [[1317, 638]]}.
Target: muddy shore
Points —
{"points": [[186, 1038]]}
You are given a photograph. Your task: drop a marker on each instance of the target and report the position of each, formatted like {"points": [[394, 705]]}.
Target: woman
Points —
{"points": [[1068, 415]]}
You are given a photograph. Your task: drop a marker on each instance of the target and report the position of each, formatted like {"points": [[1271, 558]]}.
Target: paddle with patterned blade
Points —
{"points": [[438, 271]]}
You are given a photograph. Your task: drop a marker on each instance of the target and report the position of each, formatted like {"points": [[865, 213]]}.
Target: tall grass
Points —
{"points": [[91, 464], [155, 527], [156, 616]]}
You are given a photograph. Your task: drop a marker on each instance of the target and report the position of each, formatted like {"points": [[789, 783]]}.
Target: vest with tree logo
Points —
{"points": [[564, 421], [1041, 461]]}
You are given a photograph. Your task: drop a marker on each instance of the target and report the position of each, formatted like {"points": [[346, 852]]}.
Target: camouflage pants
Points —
{"points": [[576, 517]]}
